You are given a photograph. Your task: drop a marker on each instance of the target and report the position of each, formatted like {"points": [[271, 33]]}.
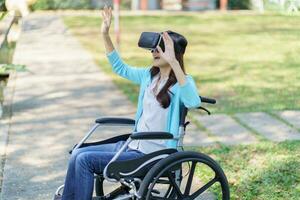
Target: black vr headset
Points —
{"points": [[150, 40]]}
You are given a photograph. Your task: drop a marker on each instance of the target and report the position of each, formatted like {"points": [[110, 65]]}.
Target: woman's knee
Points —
{"points": [[90, 161], [83, 160], [74, 155]]}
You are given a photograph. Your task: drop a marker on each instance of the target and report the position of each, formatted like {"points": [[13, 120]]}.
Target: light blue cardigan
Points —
{"points": [[186, 94]]}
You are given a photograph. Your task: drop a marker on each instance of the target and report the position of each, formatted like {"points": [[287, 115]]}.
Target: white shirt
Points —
{"points": [[153, 118]]}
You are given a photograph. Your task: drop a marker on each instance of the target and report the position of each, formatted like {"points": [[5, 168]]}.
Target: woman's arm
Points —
{"points": [[134, 74], [189, 93], [188, 90], [106, 22], [109, 47]]}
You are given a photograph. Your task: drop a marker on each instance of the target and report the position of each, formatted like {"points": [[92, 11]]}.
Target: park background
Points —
{"points": [[243, 53]]}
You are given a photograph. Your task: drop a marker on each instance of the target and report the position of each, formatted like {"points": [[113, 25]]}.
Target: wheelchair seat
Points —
{"points": [[138, 167]]}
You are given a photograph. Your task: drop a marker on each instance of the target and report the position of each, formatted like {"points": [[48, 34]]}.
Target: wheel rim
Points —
{"points": [[192, 184]]}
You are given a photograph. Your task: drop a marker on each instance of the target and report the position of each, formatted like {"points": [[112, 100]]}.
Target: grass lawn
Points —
{"points": [[260, 171], [247, 62]]}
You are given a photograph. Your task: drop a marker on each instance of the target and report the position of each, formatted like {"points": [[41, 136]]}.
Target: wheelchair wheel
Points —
{"points": [[185, 175]]}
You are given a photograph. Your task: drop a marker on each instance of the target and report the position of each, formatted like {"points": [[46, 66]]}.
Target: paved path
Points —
{"points": [[293, 117], [246, 128], [54, 105], [226, 130], [269, 127], [196, 137]]}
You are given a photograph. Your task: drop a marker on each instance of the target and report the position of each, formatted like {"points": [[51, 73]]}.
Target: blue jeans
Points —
{"points": [[86, 161]]}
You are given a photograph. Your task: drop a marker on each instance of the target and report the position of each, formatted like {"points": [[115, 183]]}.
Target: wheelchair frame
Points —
{"points": [[113, 121]]}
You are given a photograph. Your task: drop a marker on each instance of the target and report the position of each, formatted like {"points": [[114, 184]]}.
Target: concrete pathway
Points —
{"points": [[247, 128], [269, 127], [291, 116], [226, 130], [5, 120], [54, 105], [196, 137]]}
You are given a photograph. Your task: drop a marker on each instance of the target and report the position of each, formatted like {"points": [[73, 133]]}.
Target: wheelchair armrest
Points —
{"points": [[115, 120], [151, 136]]}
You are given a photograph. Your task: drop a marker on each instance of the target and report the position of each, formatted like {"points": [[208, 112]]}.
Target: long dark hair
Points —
{"points": [[180, 43]]}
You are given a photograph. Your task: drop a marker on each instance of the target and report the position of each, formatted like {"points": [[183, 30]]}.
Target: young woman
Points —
{"points": [[163, 88]]}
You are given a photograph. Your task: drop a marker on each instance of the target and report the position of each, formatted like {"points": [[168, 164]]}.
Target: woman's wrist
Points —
{"points": [[174, 63], [105, 33], [180, 76]]}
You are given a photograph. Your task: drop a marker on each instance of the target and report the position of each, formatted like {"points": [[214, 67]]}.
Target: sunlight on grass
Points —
{"points": [[260, 171], [247, 62]]}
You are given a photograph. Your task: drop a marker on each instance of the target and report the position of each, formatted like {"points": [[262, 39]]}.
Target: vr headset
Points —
{"points": [[150, 40]]}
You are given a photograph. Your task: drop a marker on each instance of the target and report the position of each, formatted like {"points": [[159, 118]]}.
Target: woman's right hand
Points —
{"points": [[106, 19]]}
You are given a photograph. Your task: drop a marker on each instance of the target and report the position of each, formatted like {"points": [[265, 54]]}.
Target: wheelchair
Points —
{"points": [[165, 174]]}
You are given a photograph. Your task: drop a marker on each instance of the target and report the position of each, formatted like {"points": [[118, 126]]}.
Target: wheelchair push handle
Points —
{"points": [[208, 100], [184, 111]]}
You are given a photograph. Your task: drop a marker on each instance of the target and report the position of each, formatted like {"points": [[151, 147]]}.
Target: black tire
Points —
{"points": [[164, 173]]}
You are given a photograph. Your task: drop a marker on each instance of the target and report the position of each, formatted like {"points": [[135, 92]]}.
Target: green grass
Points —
{"points": [[6, 52], [247, 62], [260, 171]]}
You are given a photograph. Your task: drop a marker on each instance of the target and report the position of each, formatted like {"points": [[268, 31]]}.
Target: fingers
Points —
{"points": [[167, 39], [107, 10], [166, 36], [159, 50], [107, 13], [104, 12], [110, 12]]}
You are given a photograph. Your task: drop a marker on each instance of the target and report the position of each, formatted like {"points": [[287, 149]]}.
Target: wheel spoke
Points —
{"points": [[175, 186], [163, 178], [168, 191], [190, 179], [202, 189]]}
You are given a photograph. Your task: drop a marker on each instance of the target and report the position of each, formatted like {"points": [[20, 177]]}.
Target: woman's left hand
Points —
{"points": [[169, 54]]}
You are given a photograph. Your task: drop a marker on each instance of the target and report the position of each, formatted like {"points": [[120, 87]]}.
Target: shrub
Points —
{"points": [[2, 6], [75, 4], [239, 4], [61, 4]]}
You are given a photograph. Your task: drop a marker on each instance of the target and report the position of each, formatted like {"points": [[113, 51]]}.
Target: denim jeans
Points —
{"points": [[86, 161]]}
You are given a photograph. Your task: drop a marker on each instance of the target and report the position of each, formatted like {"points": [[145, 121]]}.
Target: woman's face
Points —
{"points": [[158, 61]]}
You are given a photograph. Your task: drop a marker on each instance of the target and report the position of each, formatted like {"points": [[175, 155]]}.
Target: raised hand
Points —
{"points": [[169, 54], [106, 19]]}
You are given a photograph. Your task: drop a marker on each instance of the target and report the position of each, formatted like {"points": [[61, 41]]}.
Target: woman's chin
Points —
{"points": [[156, 63]]}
